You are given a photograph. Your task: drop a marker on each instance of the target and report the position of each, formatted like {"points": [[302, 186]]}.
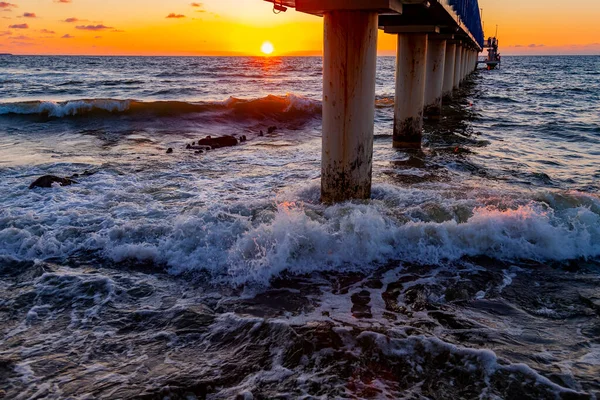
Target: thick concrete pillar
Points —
{"points": [[449, 69], [349, 66], [410, 90], [434, 81], [457, 66]]}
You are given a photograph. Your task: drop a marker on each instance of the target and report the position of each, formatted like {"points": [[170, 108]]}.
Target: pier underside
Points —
{"points": [[436, 52]]}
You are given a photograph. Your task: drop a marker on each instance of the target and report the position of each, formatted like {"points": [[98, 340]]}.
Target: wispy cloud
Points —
{"points": [[67, 36], [29, 15], [48, 32], [199, 6], [19, 26], [5, 5], [173, 15], [93, 27], [71, 20]]}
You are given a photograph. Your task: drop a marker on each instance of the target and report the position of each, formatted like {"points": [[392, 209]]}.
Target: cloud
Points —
{"points": [[5, 33], [29, 15], [71, 20], [19, 26], [49, 32], [4, 4], [97, 37], [173, 15], [67, 36], [200, 7], [62, 1], [20, 37], [93, 27], [533, 45]]}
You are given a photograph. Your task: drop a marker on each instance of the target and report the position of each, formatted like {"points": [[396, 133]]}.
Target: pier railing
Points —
{"points": [[470, 15]]}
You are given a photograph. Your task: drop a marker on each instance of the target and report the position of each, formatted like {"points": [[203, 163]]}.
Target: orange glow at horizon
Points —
{"points": [[239, 27]]}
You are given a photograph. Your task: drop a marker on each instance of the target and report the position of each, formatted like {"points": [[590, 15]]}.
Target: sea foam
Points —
{"points": [[255, 241]]}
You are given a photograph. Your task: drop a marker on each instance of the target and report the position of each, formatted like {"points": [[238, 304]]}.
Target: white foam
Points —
{"points": [[255, 241]]}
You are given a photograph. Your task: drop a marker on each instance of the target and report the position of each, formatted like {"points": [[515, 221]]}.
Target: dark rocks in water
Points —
{"points": [[215, 143], [243, 138], [189, 146], [47, 181], [271, 129], [169, 150], [261, 133], [198, 152]]}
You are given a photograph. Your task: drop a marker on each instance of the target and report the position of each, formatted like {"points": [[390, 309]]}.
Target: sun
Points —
{"points": [[267, 48]]}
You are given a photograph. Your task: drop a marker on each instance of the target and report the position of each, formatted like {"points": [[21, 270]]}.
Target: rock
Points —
{"points": [[169, 150], [47, 181], [243, 138], [189, 146], [261, 133], [223, 141], [271, 129]]}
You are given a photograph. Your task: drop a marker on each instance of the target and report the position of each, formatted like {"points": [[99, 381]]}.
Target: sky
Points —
{"points": [[240, 27]]}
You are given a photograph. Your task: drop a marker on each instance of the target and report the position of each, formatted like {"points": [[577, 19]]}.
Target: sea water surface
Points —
{"points": [[473, 272]]}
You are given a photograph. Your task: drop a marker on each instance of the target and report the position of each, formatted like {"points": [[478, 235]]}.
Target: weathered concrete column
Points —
{"points": [[434, 81], [410, 89], [463, 63], [457, 66], [449, 69], [349, 66]]}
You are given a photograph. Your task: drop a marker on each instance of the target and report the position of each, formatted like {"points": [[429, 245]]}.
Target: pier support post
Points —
{"points": [[434, 81], [449, 69], [463, 65], [349, 69], [410, 90], [457, 66]]}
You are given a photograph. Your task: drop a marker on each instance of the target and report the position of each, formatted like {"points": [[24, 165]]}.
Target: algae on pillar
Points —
{"points": [[434, 81], [349, 72], [410, 90]]}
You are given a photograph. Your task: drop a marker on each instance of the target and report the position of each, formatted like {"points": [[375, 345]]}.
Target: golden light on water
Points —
{"points": [[267, 48]]}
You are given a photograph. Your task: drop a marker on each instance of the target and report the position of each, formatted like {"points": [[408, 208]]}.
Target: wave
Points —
{"points": [[286, 107], [255, 242]]}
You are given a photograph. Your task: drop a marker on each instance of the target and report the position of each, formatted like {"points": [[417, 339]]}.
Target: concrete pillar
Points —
{"points": [[449, 69], [457, 65], [434, 81], [349, 67], [410, 90], [465, 64]]}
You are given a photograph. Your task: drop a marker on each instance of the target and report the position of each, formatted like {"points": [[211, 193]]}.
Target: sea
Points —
{"points": [[473, 272]]}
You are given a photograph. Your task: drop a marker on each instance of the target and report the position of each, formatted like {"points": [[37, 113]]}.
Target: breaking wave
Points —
{"points": [[254, 243], [285, 107]]}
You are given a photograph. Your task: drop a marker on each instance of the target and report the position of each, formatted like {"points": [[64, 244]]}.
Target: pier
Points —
{"points": [[438, 46]]}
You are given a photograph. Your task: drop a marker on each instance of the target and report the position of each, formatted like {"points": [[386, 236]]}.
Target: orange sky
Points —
{"points": [[229, 27]]}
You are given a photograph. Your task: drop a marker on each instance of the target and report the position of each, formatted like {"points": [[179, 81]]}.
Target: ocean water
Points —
{"points": [[473, 272]]}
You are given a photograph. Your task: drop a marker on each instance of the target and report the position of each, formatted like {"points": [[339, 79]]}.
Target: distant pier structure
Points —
{"points": [[438, 46]]}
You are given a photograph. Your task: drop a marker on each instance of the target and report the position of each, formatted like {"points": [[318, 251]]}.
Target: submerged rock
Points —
{"points": [[47, 181], [169, 150], [218, 142]]}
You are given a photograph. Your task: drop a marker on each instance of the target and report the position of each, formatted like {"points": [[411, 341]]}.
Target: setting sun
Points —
{"points": [[267, 48]]}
